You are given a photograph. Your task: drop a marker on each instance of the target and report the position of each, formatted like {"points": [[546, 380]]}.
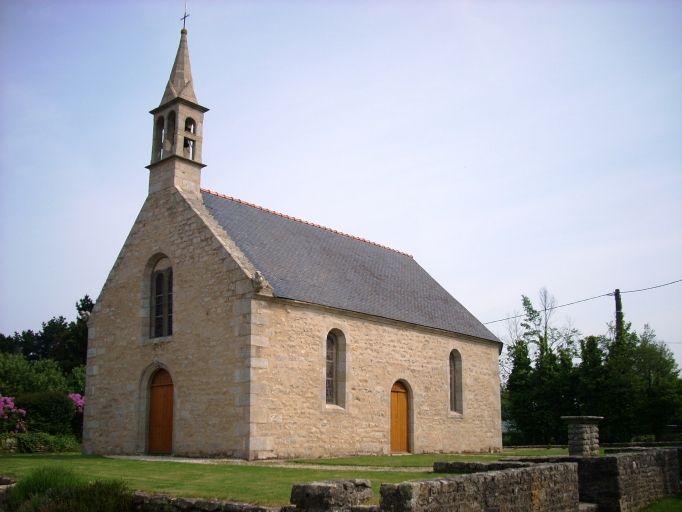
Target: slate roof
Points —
{"points": [[313, 264]]}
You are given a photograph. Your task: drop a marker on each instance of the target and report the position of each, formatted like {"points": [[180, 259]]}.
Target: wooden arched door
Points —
{"points": [[400, 406], [161, 413]]}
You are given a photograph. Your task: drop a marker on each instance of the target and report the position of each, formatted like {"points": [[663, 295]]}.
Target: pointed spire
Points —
{"points": [[180, 82]]}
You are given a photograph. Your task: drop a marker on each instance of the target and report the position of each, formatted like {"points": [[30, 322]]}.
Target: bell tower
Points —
{"points": [[178, 128]]}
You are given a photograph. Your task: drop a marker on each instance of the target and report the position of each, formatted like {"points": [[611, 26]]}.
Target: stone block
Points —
{"points": [[331, 496], [262, 443]]}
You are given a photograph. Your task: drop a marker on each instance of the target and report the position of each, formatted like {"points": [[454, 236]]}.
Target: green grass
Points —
{"points": [[666, 505], [252, 484], [427, 460]]}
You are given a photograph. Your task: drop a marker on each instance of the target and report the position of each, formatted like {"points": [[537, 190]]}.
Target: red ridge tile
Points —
{"points": [[301, 221]]}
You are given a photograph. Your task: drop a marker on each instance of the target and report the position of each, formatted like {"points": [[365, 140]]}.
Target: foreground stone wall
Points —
{"points": [[541, 487], [143, 502], [292, 419], [623, 482], [330, 496]]}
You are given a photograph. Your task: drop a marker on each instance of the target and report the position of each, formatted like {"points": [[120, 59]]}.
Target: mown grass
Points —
{"points": [[666, 505], [673, 504], [427, 460], [251, 484]]}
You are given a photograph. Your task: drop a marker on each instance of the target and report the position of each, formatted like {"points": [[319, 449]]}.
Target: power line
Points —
{"points": [[583, 300], [651, 288]]}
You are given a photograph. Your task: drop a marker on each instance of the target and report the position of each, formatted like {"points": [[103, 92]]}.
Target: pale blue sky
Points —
{"points": [[506, 145]]}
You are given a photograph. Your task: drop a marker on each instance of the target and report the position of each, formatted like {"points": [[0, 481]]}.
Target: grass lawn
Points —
{"points": [[427, 460], [252, 484], [666, 505]]}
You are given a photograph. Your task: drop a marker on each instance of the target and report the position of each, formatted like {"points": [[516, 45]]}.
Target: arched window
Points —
{"points": [[162, 300], [190, 125], [456, 402], [158, 138], [169, 145], [332, 369]]}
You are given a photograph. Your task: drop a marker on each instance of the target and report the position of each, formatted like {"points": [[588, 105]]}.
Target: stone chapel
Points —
{"points": [[226, 329]]}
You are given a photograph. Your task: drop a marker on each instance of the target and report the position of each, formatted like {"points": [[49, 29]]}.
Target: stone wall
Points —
{"points": [[143, 502], [292, 419], [541, 487], [583, 435], [331, 495], [207, 354], [623, 482]]}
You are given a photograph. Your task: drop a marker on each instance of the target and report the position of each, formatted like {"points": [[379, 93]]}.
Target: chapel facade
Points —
{"points": [[228, 330]]}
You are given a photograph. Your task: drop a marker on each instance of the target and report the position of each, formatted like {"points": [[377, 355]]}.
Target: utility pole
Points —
{"points": [[619, 316]]}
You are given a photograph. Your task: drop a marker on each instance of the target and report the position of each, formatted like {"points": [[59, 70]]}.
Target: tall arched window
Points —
{"points": [[456, 402], [162, 300], [332, 370]]}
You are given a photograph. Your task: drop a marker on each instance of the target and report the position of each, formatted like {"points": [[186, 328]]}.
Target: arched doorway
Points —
{"points": [[400, 406], [161, 413]]}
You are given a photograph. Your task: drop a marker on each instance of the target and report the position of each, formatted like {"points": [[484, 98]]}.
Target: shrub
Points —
{"points": [[49, 412], [37, 442], [11, 418], [77, 421], [38, 482], [56, 489], [75, 381]]}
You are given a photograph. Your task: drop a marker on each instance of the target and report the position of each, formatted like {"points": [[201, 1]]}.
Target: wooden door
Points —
{"points": [[161, 413], [399, 418]]}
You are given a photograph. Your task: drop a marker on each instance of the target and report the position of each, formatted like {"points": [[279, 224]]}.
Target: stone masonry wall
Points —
{"points": [[290, 417], [583, 439], [208, 354], [541, 487], [623, 482], [646, 477]]}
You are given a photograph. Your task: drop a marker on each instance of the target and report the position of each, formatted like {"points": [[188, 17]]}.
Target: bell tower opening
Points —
{"points": [[157, 148]]}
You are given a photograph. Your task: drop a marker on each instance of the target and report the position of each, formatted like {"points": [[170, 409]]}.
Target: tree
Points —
{"points": [[591, 378], [18, 375], [59, 340], [655, 366]]}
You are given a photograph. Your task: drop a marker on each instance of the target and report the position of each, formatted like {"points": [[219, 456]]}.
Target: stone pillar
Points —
{"points": [[583, 435]]}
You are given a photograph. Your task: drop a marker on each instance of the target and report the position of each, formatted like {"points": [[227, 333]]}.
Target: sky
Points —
{"points": [[506, 145]]}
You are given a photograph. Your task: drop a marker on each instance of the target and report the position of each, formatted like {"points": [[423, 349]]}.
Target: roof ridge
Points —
{"points": [[212, 192]]}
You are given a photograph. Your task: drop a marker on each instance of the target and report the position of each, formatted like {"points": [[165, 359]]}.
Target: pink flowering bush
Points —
{"points": [[11, 418], [78, 400]]}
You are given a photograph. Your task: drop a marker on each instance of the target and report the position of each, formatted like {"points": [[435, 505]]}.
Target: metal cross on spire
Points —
{"points": [[184, 18]]}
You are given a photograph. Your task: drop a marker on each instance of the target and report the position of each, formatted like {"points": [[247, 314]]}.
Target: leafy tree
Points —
{"points": [[520, 408], [622, 389], [59, 340], [661, 387], [632, 380], [591, 377], [18, 375]]}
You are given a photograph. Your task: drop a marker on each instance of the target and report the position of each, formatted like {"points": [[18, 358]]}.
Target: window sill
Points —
{"points": [[455, 415], [154, 341], [334, 408]]}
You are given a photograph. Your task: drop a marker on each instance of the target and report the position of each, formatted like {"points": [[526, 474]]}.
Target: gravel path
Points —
{"points": [[269, 464]]}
